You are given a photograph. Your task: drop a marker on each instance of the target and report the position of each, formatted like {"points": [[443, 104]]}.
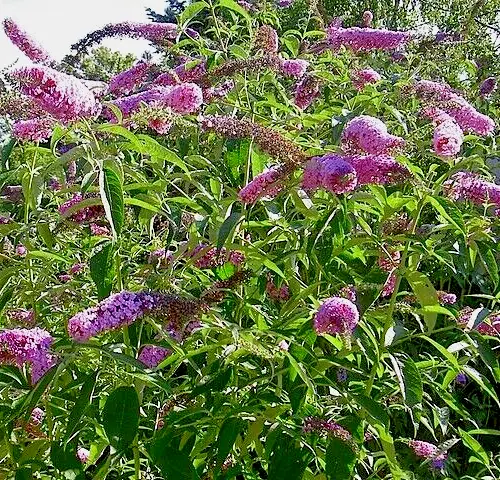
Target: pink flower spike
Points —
{"points": [[124, 82], [35, 52], [266, 184], [360, 78], [369, 135], [294, 68]]}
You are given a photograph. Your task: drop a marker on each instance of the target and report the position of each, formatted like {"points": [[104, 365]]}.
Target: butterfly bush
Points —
{"points": [[21, 346], [63, 96], [364, 39], [266, 39], [471, 186], [467, 117], [488, 86], [363, 77], [306, 91], [336, 315], [35, 52], [114, 312], [331, 172], [188, 72], [269, 231], [152, 355], [125, 82], [81, 215], [331, 428], [183, 99], [430, 451], [368, 134], [157, 33], [295, 68], [33, 130]]}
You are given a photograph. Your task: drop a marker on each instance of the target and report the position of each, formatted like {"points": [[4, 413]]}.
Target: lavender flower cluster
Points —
{"points": [[112, 313], [428, 451], [364, 39], [336, 315], [20, 346], [442, 96], [368, 138], [63, 96], [84, 214]]}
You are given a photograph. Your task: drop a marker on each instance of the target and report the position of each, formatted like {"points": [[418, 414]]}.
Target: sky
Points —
{"points": [[57, 24]]}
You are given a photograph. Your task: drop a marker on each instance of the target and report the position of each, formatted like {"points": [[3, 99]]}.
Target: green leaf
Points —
{"points": [[374, 409], [174, 464], [191, 11], [43, 229], [426, 295], [227, 227], [474, 445], [123, 132], [111, 190], [340, 460], [63, 457], [102, 270], [51, 257], [227, 436], [490, 264], [155, 149], [6, 151], [446, 354], [413, 391], [449, 211], [287, 460], [120, 417], [232, 5], [82, 402], [482, 381], [33, 397]]}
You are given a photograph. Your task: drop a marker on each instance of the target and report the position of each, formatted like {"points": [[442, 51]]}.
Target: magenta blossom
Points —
{"points": [[25, 43], [470, 186], [307, 90], [63, 96], [488, 86], [360, 78], [428, 451], [378, 169], [211, 257], [190, 71], [33, 130], [32, 346], [124, 82], [184, 98], [82, 454], [295, 68], [266, 184], [331, 172], [153, 355], [364, 39], [369, 135], [336, 315]]}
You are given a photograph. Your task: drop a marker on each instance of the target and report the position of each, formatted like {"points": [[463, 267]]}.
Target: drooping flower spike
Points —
{"points": [[63, 96], [34, 51]]}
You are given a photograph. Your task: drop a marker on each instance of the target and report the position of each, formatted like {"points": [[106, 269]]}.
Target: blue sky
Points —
{"points": [[56, 24]]}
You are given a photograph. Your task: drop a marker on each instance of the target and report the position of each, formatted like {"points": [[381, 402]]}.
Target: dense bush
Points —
{"points": [[267, 255]]}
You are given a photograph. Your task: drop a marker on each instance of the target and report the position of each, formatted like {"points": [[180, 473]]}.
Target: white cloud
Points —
{"points": [[56, 24]]}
